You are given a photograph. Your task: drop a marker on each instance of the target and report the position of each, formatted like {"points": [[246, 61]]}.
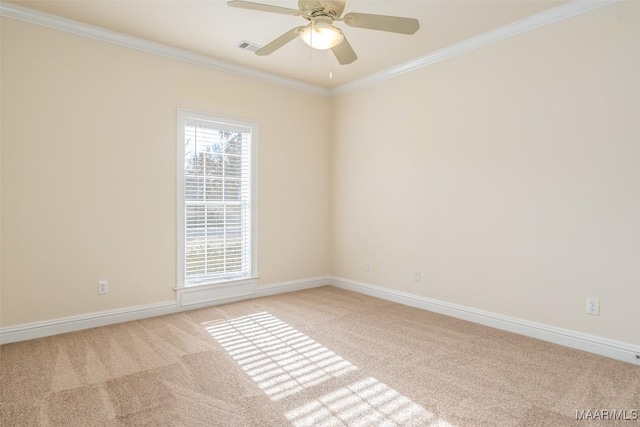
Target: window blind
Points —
{"points": [[217, 201]]}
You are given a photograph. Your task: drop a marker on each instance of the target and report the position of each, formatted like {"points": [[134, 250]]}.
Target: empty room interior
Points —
{"points": [[320, 213]]}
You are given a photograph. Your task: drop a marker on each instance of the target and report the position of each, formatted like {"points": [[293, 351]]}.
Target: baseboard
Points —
{"points": [[593, 344], [295, 285], [263, 291], [76, 323], [590, 343], [215, 293]]}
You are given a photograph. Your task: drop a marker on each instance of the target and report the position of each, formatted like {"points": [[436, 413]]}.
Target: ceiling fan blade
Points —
{"points": [[394, 24], [263, 7], [344, 53], [279, 42]]}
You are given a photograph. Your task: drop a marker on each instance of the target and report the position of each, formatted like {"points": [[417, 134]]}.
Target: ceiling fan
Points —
{"points": [[320, 33]]}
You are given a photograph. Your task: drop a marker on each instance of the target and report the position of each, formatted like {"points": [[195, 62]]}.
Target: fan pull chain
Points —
{"points": [[330, 59], [310, 46]]}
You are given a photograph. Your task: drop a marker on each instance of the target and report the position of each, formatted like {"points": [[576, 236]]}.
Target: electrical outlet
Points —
{"points": [[103, 287], [416, 276], [369, 266], [593, 306]]}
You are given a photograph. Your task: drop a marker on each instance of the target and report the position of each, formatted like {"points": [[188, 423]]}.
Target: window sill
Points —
{"points": [[218, 291]]}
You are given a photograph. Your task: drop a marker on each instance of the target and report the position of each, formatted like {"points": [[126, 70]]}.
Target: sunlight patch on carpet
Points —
{"points": [[283, 361], [364, 403], [280, 359]]}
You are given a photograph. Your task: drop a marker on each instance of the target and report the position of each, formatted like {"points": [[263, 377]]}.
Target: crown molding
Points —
{"points": [[97, 33], [559, 13]]}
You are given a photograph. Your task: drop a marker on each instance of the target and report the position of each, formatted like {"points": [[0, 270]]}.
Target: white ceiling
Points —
{"points": [[214, 29]]}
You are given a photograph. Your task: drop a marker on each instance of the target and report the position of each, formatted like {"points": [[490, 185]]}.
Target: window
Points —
{"points": [[215, 199]]}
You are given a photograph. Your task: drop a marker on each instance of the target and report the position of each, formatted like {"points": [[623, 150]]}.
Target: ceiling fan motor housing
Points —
{"points": [[333, 8]]}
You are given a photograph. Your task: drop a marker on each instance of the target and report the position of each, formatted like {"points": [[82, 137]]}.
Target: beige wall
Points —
{"points": [[88, 172], [509, 176]]}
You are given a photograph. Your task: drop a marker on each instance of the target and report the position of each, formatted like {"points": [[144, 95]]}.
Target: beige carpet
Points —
{"points": [[318, 357]]}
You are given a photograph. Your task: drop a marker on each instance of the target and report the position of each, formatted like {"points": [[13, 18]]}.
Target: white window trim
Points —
{"points": [[205, 292]]}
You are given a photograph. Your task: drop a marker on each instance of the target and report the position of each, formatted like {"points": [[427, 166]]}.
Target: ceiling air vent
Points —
{"points": [[248, 46]]}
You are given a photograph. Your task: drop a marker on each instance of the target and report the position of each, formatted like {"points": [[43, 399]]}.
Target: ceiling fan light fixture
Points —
{"points": [[320, 32], [322, 36]]}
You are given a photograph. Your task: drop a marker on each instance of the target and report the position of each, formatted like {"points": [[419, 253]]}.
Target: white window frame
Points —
{"points": [[193, 294]]}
